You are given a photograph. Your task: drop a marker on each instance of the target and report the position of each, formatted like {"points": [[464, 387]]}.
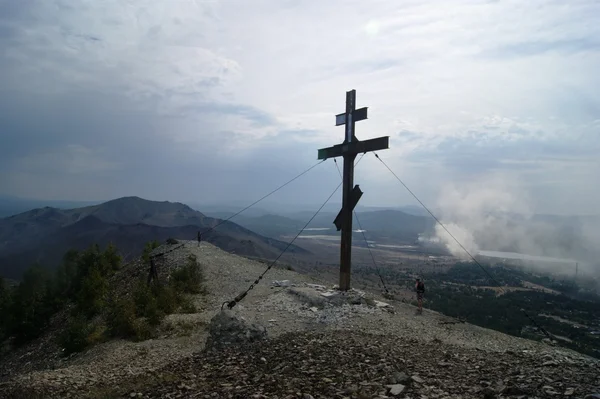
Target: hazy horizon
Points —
{"points": [[492, 108], [206, 101], [263, 205]]}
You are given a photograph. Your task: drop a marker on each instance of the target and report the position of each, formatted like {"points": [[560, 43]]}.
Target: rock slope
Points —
{"points": [[317, 347], [359, 365]]}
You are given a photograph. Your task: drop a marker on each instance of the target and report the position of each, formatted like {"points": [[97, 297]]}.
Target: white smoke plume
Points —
{"points": [[475, 213], [495, 214]]}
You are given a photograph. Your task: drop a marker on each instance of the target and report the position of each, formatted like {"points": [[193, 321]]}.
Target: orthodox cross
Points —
{"points": [[349, 149]]}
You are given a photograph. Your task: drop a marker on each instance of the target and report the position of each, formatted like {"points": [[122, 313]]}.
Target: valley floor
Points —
{"points": [[346, 351]]}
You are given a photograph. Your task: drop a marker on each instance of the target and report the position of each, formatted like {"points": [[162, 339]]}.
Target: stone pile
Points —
{"points": [[226, 329], [319, 296]]}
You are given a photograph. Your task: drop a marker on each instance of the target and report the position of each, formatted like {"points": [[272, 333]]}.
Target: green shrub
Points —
{"points": [[112, 257], [187, 305], [96, 334], [189, 278], [121, 318], [167, 298], [5, 307], [142, 297], [31, 305], [75, 337], [142, 330], [154, 315], [154, 301], [92, 296], [149, 247]]}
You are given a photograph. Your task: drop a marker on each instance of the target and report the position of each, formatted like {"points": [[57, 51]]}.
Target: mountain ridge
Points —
{"points": [[44, 234]]}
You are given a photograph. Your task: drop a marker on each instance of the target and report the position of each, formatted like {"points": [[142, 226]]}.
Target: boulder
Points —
{"points": [[226, 328]]}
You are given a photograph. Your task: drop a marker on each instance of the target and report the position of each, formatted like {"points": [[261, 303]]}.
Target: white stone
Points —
{"points": [[282, 283], [380, 304], [396, 389], [328, 294]]}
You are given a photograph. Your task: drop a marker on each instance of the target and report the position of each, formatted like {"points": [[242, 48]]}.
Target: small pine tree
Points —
{"points": [[121, 318], [5, 309], [75, 337], [112, 256], [189, 278], [168, 299], [149, 247], [92, 297], [142, 298], [31, 305]]}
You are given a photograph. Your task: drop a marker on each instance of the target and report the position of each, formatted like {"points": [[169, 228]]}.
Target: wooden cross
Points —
{"points": [[349, 149]]}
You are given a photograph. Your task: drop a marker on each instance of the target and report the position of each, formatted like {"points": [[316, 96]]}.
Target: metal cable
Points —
{"points": [[459, 243], [237, 299], [257, 201]]}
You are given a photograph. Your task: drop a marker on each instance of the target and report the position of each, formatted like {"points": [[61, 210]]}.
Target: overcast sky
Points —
{"points": [[204, 101]]}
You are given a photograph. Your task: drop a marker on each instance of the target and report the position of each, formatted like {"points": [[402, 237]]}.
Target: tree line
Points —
{"points": [[81, 294]]}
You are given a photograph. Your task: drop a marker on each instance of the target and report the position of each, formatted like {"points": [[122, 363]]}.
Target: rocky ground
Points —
{"points": [[318, 345], [358, 365]]}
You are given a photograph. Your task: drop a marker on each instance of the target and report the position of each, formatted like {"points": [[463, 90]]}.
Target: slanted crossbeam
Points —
{"points": [[350, 194]]}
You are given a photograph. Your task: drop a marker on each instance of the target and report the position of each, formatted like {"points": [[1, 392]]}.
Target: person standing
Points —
{"points": [[420, 288]]}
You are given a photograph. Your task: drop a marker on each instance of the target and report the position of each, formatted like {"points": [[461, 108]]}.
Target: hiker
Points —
{"points": [[420, 288]]}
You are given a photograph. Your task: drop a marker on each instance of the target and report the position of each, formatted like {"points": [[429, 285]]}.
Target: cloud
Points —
{"points": [[72, 159], [234, 96], [494, 214]]}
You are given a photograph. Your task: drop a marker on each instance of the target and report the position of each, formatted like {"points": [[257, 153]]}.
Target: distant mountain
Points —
{"points": [[44, 235], [395, 221], [387, 225], [227, 210], [13, 205], [268, 225]]}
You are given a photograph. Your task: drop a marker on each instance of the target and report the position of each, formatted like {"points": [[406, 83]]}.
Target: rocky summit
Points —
{"points": [[359, 365], [295, 337]]}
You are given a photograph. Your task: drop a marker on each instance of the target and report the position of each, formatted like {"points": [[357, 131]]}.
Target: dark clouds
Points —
{"points": [[207, 101]]}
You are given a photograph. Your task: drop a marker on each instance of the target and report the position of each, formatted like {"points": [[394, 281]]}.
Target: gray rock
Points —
{"points": [[418, 379], [489, 393], [396, 389], [550, 363], [399, 378], [308, 296], [515, 390], [227, 328]]}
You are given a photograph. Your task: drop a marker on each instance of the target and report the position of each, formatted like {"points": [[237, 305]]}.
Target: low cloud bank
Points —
{"points": [[494, 214]]}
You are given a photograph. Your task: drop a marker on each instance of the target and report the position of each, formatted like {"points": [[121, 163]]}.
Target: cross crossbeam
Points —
{"points": [[351, 194]]}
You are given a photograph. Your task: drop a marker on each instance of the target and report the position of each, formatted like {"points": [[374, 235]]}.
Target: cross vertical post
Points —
{"points": [[348, 182], [350, 194]]}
